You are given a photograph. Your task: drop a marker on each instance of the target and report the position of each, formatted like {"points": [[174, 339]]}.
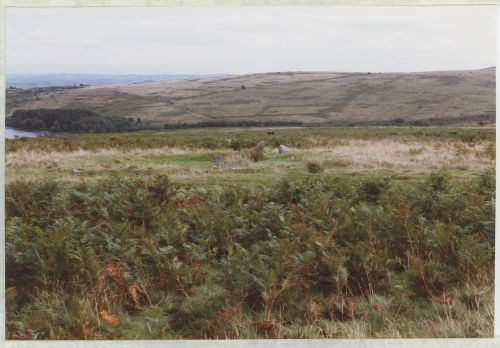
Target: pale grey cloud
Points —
{"points": [[247, 40]]}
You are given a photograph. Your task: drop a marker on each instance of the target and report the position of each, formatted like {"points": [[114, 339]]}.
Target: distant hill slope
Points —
{"points": [[444, 97]]}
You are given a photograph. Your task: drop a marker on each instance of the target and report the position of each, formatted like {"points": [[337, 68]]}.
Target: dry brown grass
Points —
{"points": [[422, 156], [23, 156], [236, 159]]}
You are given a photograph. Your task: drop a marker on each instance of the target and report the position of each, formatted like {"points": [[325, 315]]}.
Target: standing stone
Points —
{"points": [[257, 152]]}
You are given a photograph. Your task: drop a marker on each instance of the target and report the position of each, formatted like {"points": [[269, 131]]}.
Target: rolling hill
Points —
{"points": [[314, 98]]}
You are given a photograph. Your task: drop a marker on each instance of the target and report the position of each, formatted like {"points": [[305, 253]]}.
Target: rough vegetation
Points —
{"points": [[150, 240]]}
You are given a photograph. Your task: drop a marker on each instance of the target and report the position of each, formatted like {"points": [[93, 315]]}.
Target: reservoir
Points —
{"points": [[11, 133]]}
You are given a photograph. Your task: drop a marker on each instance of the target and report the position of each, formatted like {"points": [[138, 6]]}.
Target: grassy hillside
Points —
{"points": [[435, 98]]}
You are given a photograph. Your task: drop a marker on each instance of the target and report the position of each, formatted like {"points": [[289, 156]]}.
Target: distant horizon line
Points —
{"points": [[249, 73]]}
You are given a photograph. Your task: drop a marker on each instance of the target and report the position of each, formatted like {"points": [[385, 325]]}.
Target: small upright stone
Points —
{"points": [[216, 162], [283, 148], [260, 146], [257, 152]]}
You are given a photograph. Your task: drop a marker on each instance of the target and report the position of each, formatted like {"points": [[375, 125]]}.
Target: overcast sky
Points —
{"points": [[248, 40]]}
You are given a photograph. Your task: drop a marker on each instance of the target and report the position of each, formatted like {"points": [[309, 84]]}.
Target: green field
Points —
{"points": [[352, 233]]}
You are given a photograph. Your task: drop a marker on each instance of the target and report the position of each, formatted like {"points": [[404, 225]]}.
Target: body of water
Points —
{"points": [[11, 133]]}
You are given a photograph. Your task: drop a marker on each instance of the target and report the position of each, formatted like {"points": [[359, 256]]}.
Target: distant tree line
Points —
{"points": [[246, 123], [72, 121]]}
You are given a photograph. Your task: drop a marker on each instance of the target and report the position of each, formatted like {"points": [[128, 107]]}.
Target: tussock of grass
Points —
{"points": [[314, 165]]}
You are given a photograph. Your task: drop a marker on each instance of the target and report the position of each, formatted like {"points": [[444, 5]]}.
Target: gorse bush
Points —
{"points": [[144, 258]]}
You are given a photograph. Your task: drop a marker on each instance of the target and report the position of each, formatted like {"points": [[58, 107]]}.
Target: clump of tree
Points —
{"points": [[72, 121]]}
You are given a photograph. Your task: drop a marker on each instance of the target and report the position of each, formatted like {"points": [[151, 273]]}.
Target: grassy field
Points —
{"points": [[354, 232]]}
